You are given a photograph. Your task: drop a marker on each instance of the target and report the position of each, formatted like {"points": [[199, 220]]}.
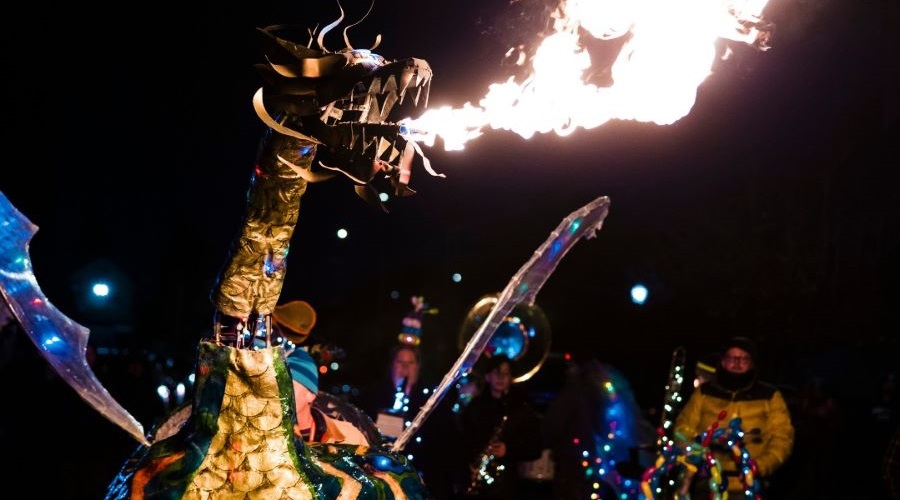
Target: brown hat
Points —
{"points": [[297, 318]]}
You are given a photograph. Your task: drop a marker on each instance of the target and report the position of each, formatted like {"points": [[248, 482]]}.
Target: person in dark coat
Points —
{"points": [[500, 429]]}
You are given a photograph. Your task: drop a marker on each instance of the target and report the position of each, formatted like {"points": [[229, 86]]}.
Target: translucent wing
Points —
{"points": [[522, 288], [59, 339]]}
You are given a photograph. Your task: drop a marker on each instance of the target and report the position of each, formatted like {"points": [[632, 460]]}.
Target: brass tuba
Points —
{"points": [[523, 336]]}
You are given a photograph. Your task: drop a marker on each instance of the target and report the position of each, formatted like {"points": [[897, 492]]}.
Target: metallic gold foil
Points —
{"points": [[256, 442], [251, 281], [238, 443]]}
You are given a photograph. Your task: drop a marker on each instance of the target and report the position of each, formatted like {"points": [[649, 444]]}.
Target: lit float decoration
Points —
{"points": [[238, 440], [677, 465]]}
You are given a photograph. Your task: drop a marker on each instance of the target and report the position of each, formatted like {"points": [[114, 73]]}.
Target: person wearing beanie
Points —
{"points": [[314, 426], [736, 390]]}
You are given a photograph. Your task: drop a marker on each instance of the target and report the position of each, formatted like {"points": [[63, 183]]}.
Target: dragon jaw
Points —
{"points": [[340, 102]]}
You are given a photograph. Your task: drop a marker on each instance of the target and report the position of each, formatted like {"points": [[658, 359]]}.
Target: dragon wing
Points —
{"points": [[59, 339], [521, 289]]}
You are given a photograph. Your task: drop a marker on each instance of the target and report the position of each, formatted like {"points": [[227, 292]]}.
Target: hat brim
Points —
{"points": [[296, 320]]}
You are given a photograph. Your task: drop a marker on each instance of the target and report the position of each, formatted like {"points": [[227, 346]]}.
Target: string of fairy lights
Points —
{"points": [[677, 464], [600, 463]]}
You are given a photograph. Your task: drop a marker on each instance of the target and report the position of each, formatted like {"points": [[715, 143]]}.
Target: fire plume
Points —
{"points": [[666, 50]]}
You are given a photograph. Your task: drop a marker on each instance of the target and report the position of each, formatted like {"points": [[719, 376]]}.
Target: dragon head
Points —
{"points": [[340, 102]]}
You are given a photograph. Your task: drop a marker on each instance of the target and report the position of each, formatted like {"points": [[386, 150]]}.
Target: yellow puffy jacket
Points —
{"points": [[760, 406]]}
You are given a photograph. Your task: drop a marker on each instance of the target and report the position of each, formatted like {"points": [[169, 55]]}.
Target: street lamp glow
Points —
{"points": [[639, 294], [342, 233], [100, 289]]}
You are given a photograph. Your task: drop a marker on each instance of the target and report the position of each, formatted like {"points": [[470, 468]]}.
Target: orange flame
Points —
{"points": [[668, 51]]}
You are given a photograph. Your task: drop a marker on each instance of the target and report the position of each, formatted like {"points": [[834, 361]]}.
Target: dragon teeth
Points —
{"points": [[383, 145], [375, 86], [390, 85]]}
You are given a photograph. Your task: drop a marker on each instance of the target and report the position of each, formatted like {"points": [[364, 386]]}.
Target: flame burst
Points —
{"points": [[667, 50]]}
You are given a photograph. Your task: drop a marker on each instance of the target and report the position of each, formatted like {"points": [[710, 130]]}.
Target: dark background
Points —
{"points": [[770, 210]]}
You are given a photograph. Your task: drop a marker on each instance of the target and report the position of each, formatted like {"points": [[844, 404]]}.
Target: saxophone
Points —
{"points": [[485, 468]]}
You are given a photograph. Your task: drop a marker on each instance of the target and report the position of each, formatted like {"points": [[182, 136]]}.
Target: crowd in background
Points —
{"points": [[841, 448]]}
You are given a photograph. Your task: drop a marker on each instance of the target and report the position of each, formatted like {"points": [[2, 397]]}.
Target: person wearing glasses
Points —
{"points": [[736, 392]]}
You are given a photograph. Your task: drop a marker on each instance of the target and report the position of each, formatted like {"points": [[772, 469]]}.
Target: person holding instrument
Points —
{"points": [[500, 428], [395, 398]]}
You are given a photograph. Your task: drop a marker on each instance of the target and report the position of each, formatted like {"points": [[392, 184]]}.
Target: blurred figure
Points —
{"points": [[812, 471], [139, 380], [500, 428], [596, 413], [765, 419], [880, 427], [891, 467], [884, 410], [313, 425]]}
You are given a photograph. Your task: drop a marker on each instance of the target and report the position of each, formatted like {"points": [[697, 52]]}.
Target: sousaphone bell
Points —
{"points": [[523, 336]]}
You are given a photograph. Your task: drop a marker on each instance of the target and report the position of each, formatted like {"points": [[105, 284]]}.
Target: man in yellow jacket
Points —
{"points": [[765, 419]]}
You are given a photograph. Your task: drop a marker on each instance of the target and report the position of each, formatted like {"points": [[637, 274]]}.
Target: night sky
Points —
{"points": [[770, 210]]}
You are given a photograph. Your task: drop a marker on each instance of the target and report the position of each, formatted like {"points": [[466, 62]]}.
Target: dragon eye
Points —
{"points": [[365, 57]]}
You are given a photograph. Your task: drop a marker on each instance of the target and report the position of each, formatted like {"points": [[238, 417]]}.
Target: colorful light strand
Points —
{"points": [[676, 465]]}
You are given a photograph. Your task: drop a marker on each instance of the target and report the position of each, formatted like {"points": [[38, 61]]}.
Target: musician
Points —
{"points": [[486, 434], [400, 391], [395, 398]]}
